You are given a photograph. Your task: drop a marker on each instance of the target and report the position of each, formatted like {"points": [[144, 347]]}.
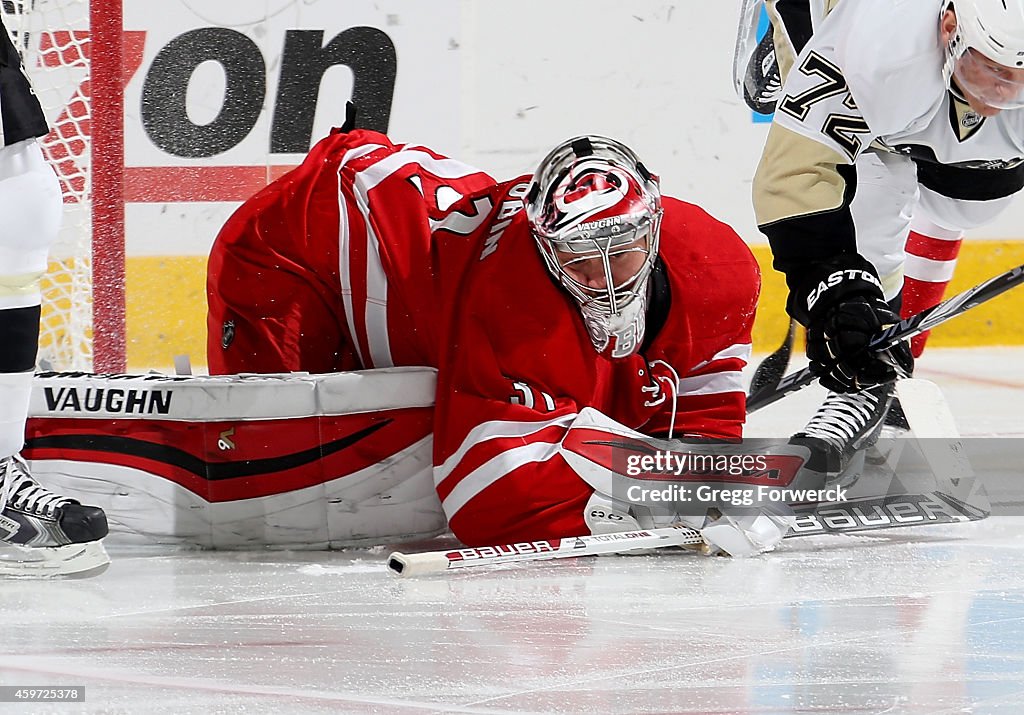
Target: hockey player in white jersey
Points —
{"points": [[41, 533], [893, 116]]}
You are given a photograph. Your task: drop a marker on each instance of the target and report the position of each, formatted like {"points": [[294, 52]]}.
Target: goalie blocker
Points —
{"points": [[300, 461]]}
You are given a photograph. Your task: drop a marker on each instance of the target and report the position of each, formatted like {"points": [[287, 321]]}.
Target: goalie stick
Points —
{"points": [[954, 496], [590, 545], [907, 328], [931, 420], [856, 515], [944, 505], [957, 495], [940, 506]]}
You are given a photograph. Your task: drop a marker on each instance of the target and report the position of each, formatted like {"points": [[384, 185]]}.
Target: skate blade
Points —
{"points": [[73, 561]]}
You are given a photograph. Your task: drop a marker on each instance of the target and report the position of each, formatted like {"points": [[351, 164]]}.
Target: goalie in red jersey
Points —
{"points": [[574, 302]]}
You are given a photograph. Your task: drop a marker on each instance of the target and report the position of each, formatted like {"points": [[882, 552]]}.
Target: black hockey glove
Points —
{"points": [[843, 308]]}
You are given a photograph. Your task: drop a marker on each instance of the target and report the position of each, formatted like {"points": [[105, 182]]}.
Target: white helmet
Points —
{"points": [[592, 198], [995, 30]]}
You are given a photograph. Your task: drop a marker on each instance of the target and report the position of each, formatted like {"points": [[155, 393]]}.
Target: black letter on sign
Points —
{"points": [[367, 51], [164, 114]]}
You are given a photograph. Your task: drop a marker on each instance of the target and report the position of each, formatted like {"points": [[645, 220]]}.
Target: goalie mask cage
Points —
{"points": [[73, 53]]}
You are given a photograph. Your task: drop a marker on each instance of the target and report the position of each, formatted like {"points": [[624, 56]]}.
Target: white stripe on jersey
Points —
{"points": [[736, 350], [494, 469], [927, 269], [372, 175], [376, 293], [713, 384], [344, 242], [494, 429], [376, 308]]}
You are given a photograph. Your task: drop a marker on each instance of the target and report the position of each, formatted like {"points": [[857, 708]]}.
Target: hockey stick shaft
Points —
{"points": [[439, 561], [773, 367], [907, 328], [884, 511]]}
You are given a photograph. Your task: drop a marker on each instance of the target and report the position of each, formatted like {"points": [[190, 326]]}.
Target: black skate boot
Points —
{"points": [[842, 428], [763, 83], [45, 534]]}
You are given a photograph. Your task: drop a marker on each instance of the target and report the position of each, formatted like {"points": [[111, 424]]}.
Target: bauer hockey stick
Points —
{"points": [[907, 328], [948, 503], [620, 542], [943, 505], [956, 496]]}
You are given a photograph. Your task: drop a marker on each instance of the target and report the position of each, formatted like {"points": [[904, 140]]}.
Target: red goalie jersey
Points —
{"points": [[373, 254]]}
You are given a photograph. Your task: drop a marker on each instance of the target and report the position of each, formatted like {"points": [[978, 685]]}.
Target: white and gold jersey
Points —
{"points": [[869, 79]]}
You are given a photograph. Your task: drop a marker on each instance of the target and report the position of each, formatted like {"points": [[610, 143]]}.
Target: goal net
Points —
{"points": [[81, 90]]}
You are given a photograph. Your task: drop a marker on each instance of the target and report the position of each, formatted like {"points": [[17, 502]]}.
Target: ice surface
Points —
{"points": [[919, 620]]}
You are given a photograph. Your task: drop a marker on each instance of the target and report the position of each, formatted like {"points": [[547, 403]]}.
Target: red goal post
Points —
{"points": [[73, 52]]}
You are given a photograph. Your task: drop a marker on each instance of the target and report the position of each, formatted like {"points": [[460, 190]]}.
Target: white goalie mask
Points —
{"points": [[595, 212], [985, 53]]}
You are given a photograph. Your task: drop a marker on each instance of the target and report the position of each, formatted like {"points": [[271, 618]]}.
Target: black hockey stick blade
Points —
{"points": [[773, 367], [907, 328]]}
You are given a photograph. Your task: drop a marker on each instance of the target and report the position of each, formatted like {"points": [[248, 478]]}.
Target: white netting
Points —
{"points": [[53, 37]]}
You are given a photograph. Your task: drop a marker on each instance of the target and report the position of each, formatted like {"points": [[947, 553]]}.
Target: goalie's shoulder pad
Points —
{"points": [[230, 397]]}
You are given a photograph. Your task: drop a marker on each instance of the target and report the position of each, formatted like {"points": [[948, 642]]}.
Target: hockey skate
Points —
{"points": [[43, 534], [762, 84], [895, 423], [842, 429]]}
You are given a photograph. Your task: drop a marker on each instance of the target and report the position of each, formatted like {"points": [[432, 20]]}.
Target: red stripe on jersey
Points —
{"points": [[936, 249]]}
